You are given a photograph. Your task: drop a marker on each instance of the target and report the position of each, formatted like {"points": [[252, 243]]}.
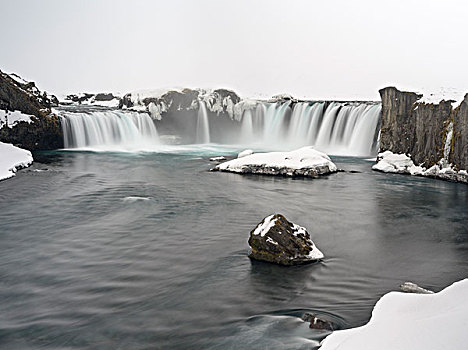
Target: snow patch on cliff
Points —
{"points": [[13, 158], [10, 119], [443, 94], [410, 321]]}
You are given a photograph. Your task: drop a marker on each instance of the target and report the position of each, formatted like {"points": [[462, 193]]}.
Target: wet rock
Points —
{"points": [[318, 323], [277, 240]]}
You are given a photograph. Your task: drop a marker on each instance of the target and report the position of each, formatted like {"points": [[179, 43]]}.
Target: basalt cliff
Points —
{"points": [[432, 133]]}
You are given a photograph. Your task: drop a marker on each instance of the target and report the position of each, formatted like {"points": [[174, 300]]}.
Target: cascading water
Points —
{"points": [[109, 130], [203, 126], [338, 128]]}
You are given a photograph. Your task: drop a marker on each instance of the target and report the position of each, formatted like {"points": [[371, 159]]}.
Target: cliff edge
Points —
{"points": [[432, 131]]}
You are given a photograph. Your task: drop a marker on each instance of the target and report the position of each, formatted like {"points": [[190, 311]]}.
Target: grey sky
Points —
{"points": [[316, 49]]}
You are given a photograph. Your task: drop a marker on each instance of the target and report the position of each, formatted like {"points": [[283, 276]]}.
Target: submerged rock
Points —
{"points": [[318, 323], [279, 241], [410, 287]]}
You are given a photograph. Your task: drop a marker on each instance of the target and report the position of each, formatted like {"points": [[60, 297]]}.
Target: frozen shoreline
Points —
{"points": [[12, 159]]}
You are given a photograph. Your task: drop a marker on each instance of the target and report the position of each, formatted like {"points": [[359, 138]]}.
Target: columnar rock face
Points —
{"points": [[420, 129], [459, 151]]}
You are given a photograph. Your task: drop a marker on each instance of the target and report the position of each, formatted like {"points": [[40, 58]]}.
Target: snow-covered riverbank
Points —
{"points": [[11, 159], [411, 321]]}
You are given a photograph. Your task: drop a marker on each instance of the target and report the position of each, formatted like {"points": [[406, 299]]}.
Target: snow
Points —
{"points": [[389, 162], [315, 253], [269, 240], [443, 94], [217, 159], [265, 226], [12, 118], [17, 78], [245, 153], [13, 158], [302, 158], [403, 321], [299, 230]]}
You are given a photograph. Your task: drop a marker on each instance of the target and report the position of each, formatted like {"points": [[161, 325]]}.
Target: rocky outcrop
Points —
{"points": [[104, 99], [43, 130], [279, 241], [427, 131]]}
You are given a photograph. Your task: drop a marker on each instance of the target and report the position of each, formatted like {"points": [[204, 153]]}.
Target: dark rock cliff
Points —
{"points": [[420, 129], [44, 131]]}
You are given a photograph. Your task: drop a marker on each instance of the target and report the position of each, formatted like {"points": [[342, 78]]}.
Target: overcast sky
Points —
{"points": [[317, 49]]}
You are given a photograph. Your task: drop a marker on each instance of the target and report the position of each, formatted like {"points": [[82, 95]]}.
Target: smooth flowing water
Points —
{"points": [[149, 251]]}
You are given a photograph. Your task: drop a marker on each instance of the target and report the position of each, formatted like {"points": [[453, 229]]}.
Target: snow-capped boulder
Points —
{"points": [[279, 241], [305, 161], [402, 321], [13, 158]]}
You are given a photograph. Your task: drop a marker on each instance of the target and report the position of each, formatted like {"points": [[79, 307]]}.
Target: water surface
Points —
{"points": [[149, 251]]}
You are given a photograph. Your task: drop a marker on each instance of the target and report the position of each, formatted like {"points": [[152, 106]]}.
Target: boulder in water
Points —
{"points": [[280, 241], [318, 323]]}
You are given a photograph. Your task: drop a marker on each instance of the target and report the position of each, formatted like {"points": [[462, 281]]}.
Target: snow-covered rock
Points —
{"points": [[402, 321], [109, 100], [217, 159], [279, 241], [389, 162], [305, 161], [13, 158], [245, 153], [410, 287]]}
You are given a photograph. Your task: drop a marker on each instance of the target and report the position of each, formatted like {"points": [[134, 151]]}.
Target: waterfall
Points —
{"points": [[247, 130], [340, 128], [203, 125], [275, 123], [337, 128], [108, 130]]}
